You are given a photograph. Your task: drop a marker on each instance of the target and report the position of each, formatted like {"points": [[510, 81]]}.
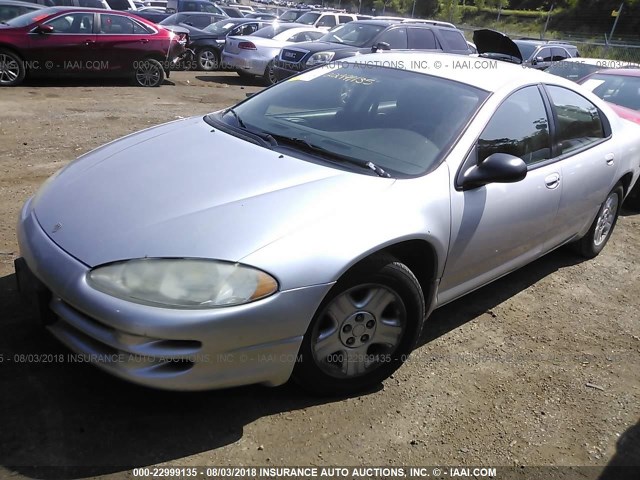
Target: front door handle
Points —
{"points": [[144, 40], [609, 157], [552, 181], [89, 42]]}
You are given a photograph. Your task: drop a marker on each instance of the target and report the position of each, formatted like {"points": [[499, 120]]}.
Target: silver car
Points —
{"points": [[252, 55], [309, 231]]}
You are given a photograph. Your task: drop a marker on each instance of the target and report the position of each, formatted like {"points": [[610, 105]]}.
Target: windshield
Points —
{"points": [[171, 19], [308, 18], [352, 33], [365, 113], [526, 49], [622, 90], [289, 16], [221, 27], [270, 31], [31, 17], [572, 70]]}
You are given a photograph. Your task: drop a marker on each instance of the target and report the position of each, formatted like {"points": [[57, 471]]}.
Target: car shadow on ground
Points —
{"points": [[625, 464], [54, 412], [71, 82], [627, 212], [472, 305], [231, 80]]}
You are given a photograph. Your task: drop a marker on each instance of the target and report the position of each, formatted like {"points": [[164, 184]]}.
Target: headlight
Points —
{"points": [[320, 58], [182, 283]]}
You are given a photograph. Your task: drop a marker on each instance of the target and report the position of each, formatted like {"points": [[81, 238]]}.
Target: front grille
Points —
{"points": [[291, 56]]}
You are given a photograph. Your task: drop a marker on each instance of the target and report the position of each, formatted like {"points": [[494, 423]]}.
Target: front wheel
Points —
{"points": [[149, 73], [207, 59], [12, 69], [364, 329], [602, 227]]}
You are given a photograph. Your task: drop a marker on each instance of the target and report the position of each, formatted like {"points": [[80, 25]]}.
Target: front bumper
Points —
{"points": [[284, 70], [166, 348]]}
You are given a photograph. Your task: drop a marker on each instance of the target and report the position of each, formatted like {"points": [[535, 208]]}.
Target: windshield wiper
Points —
{"points": [[310, 147], [262, 135]]}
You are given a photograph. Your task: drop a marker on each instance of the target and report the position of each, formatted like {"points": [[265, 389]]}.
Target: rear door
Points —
{"points": [[121, 42], [422, 39]]}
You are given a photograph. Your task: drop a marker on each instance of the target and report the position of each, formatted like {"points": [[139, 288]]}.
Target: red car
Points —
{"points": [[81, 41], [620, 87]]}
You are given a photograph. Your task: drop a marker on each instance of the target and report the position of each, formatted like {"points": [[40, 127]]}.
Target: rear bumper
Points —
{"points": [[247, 64]]}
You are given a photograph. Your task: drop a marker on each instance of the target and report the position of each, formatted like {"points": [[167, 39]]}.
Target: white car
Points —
{"points": [[253, 55]]}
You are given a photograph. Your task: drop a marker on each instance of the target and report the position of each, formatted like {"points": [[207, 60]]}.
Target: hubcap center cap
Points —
{"points": [[358, 329]]}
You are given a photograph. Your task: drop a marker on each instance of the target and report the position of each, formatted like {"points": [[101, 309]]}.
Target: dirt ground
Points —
{"points": [[541, 368]]}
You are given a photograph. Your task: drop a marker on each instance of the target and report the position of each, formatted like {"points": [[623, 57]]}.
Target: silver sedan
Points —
{"points": [[253, 55], [309, 231]]}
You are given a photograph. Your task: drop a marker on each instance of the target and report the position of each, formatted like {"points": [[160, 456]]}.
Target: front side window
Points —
{"points": [[308, 18], [396, 38], [353, 33], [544, 55], [579, 122], [519, 127], [73, 23], [327, 21], [559, 54], [400, 120]]}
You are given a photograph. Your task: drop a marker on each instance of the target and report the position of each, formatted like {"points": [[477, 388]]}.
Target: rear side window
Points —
{"points": [[579, 122], [454, 39], [519, 127], [119, 25], [345, 19], [422, 39]]}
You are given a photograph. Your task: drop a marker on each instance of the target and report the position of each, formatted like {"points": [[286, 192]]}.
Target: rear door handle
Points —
{"points": [[609, 157], [144, 40], [89, 42], [552, 181]]}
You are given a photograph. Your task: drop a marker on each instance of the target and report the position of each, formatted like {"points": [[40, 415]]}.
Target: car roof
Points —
{"points": [[450, 68], [540, 43], [21, 4]]}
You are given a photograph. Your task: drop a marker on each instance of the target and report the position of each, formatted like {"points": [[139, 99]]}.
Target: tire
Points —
{"points": [[364, 329], [12, 69], [632, 202], [269, 77], [149, 73], [207, 59], [602, 227]]}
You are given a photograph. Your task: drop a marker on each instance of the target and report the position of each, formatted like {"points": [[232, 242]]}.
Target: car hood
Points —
{"points": [[492, 42], [185, 190], [319, 46]]}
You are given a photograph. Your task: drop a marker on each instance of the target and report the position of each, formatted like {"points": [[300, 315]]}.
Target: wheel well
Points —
{"points": [[420, 257], [9, 48], [626, 182]]}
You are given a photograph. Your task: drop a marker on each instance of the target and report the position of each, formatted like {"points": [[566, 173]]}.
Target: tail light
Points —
{"points": [[246, 46]]}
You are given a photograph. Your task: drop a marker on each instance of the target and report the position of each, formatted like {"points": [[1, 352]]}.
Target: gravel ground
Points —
{"points": [[540, 368]]}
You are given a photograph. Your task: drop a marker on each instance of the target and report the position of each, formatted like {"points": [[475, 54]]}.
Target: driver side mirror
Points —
{"points": [[44, 29], [537, 60], [380, 46], [496, 168]]}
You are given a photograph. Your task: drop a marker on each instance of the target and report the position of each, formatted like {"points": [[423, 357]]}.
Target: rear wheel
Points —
{"points": [[207, 59], [12, 69], [269, 78], [602, 227], [364, 329], [149, 73]]}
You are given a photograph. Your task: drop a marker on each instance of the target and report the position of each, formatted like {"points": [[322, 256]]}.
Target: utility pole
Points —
{"points": [[617, 15], [546, 24], [499, 11], [413, 10]]}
